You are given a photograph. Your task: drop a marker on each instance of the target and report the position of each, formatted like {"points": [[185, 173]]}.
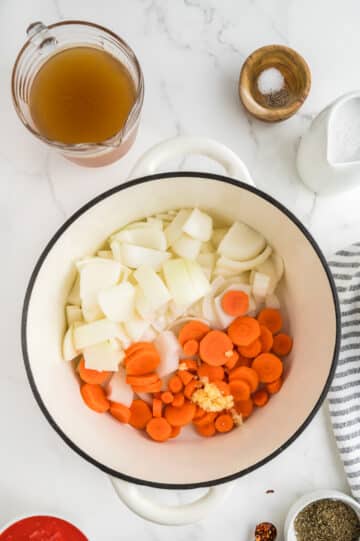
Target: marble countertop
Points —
{"points": [[191, 52]]}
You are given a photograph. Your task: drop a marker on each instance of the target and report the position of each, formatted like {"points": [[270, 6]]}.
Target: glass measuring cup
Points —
{"points": [[45, 41]]}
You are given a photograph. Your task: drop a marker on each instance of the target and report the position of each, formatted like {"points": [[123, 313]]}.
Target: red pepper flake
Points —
{"points": [[42, 528], [265, 532]]}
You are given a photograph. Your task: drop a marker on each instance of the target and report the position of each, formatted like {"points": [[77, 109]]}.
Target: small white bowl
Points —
{"points": [[289, 529]]}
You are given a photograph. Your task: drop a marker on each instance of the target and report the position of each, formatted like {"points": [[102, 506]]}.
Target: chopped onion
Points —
{"points": [[186, 247], [274, 268], [207, 262], [199, 225], [105, 254], [103, 356], [174, 230], [149, 335], [146, 397], [136, 256], [169, 350], [152, 286], [218, 235], [95, 332], [178, 282], [69, 352], [155, 222], [73, 314], [118, 302], [261, 284], [148, 236], [136, 327], [118, 390], [272, 301], [115, 246], [208, 307], [241, 243], [74, 295], [242, 266]]}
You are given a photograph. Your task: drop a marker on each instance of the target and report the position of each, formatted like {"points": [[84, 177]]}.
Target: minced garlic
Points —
{"points": [[237, 417], [210, 398]]}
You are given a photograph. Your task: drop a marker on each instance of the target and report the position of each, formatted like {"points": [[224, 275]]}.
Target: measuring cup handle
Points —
{"points": [[179, 515], [176, 147]]}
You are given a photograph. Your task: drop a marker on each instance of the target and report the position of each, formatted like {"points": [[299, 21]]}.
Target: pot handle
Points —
{"points": [[168, 515], [183, 145]]}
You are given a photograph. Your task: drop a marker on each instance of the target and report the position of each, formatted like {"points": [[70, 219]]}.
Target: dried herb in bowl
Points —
{"points": [[327, 520]]}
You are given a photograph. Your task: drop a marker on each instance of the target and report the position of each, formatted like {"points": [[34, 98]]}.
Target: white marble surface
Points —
{"points": [[191, 52]]}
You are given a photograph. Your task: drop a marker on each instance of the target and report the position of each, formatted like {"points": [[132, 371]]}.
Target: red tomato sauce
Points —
{"points": [[42, 528]]}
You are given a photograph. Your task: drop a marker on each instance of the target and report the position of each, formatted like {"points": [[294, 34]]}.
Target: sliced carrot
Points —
{"points": [[244, 330], [157, 395], [235, 303], [243, 361], [223, 387], [232, 361], [167, 397], [246, 374], [175, 431], [224, 423], [199, 413], [206, 419], [216, 348], [191, 347], [175, 384], [261, 398], [240, 389], [190, 388], [138, 346], [92, 376], [180, 416], [194, 330], [191, 364], [157, 407], [266, 339], [211, 372], [274, 387], [94, 397], [140, 414], [142, 362], [151, 388], [158, 429], [271, 318], [185, 376], [207, 430], [178, 400], [268, 367], [142, 380], [282, 344], [244, 407], [120, 412], [251, 351]]}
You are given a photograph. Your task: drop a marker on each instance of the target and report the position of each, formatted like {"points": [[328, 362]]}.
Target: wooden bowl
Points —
{"points": [[297, 82]]}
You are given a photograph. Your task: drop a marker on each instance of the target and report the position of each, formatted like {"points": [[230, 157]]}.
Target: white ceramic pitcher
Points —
{"points": [[328, 159]]}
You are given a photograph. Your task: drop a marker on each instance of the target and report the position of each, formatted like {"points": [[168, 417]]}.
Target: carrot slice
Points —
{"points": [[261, 398], [151, 388], [240, 389], [190, 388], [191, 364], [175, 384], [274, 387], [206, 419], [142, 380], [94, 397], [194, 330], [175, 431], [191, 347], [271, 318], [224, 423], [157, 407], [246, 374], [138, 346], [178, 400], [223, 387], [244, 407], [167, 397], [231, 363], [180, 416], [251, 351], [282, 344], [92, 376], [120, 412], [266, 339], [142, 362], [268, 367], [159, 429], [140, 414], [235, 303], [211, 372], [199, 413], [243, 361], [216, 348], [185, 376], [244, 330], [207, 430]]}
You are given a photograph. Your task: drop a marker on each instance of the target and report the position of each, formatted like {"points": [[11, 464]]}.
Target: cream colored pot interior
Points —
{"points": [[307, 300]]}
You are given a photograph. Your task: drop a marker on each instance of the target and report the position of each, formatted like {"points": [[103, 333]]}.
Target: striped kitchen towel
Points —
{"points": [[344, 394]]}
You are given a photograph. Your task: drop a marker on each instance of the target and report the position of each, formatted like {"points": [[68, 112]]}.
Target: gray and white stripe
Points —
{"points": [[344, 394]]}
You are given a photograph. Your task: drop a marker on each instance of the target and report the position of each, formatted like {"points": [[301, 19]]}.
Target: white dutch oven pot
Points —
{"points": [[308, 297]]}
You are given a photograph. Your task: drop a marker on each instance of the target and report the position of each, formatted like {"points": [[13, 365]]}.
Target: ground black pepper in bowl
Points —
{"points": [[327, 520]]}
